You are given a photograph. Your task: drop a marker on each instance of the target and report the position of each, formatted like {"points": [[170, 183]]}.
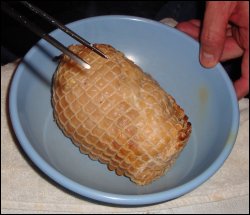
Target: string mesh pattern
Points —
{"points": [[119, 115]]}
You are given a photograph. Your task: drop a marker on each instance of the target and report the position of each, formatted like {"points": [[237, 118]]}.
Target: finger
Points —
{"points": [[229, 32], [190, 29], [231, 50], [242, 85], [195, 22], [214, 32]]}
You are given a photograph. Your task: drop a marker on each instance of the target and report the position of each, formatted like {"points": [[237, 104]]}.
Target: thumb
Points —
{"points": [[214, 31]]}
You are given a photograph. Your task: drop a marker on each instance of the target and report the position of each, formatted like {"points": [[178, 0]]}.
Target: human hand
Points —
{"points": [[224, 35]]}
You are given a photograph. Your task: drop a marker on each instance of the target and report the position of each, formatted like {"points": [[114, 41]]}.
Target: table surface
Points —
{"points": [[25, 189]]}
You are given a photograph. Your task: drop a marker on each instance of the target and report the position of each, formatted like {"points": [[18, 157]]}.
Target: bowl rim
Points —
{"points": [[120, 199]]}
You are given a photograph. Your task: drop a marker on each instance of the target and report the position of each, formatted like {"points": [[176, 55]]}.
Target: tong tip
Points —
{"points": [[98, 51]]}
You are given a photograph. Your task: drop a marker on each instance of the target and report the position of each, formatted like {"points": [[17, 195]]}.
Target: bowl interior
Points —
{"points": [[172, 59]]}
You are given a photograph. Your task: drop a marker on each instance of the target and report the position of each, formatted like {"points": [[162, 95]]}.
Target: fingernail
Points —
{"points": [[207, 60]]}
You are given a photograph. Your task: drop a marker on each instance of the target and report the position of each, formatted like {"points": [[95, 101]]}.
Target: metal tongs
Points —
{"points": [[32, 27]]}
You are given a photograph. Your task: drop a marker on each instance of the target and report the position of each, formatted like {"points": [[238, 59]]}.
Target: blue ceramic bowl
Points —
{"points": [[171, 57]]}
